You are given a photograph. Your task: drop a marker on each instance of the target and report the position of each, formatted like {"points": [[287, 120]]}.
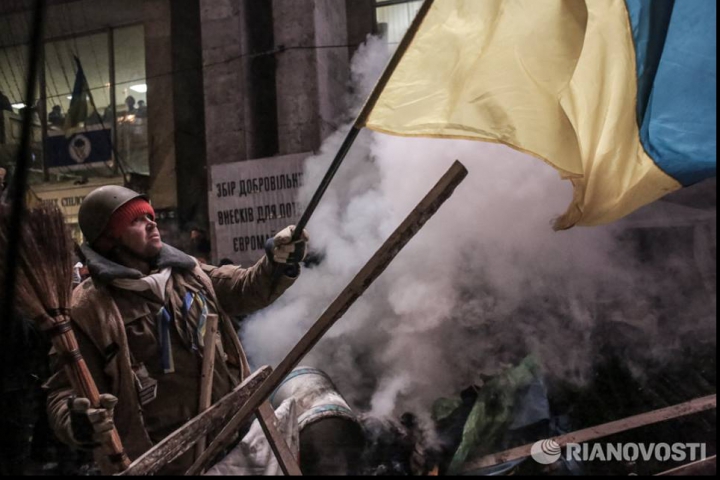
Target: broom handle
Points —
{"points": [[64, 341]]}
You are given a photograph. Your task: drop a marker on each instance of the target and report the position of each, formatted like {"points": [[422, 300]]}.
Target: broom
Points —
{"points": [[43, 290]]}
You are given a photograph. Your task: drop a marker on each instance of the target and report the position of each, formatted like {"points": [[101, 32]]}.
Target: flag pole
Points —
{"points": [[19, 183], [362, 117], [88, 91]]}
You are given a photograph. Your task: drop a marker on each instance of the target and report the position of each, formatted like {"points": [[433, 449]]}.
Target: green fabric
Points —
{"points": [[492, 413], [444, 407]]}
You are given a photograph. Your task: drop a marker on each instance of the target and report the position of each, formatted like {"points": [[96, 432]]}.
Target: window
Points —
{"points": [[131, 98], [114, 136], [13, 82], [13, 75], [61, 71], [79, 139], [96, 138], [394, 18]]}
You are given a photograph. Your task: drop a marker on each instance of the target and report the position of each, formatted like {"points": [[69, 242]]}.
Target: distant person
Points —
{"points": [[80, 273], [108, 115], [5, 102], [141, 111], [199, 244], [76, 277], [130, 103], [56, 117]]}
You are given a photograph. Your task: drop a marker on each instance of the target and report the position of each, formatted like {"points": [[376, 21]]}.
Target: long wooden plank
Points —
{"points": [[182, 439], [707, 466], [268, 421], [656, 416], [372, 269]]}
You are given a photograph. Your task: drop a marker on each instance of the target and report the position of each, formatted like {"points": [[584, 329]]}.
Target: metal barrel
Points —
{"points": [[331, 436]]}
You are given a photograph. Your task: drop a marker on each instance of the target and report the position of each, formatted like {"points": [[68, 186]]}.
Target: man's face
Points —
{"points": [[142, 237]]}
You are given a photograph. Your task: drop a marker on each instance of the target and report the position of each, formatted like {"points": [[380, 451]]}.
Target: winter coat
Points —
{"points": [[120, 333]]}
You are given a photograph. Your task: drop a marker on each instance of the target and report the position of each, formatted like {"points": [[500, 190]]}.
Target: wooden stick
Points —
{"points": [[82, 382], [604, 430], [182, 439], [706, 466], [268, 421], [363, 116], [372, 269], [206, 375]]}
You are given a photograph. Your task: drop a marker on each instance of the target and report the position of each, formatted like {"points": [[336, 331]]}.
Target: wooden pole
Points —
{"points": [[363, 116], [701, 467], [182, 439], [268, 421], [372, 269], [604, 430], [18, 184], [206, 375]]}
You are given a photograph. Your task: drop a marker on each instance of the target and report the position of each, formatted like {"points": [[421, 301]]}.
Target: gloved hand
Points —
{"points": [[281, 248], [91, 426]]}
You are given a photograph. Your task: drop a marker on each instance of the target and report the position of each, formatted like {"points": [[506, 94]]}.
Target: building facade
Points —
{"points": [[168, 88]]}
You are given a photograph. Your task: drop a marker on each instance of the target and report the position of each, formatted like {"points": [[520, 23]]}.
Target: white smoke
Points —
{"points": [[483, 284]]}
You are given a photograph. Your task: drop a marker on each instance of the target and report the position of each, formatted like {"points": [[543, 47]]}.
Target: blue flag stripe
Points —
{"points": [[676, 66]]}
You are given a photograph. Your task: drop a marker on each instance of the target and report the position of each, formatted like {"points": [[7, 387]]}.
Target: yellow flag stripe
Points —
{"points": [[552, 78]]}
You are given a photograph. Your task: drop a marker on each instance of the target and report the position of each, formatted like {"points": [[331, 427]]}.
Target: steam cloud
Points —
{"points": [[484, 283]]}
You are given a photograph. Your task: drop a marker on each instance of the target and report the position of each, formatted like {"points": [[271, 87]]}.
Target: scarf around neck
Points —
{"points": [[154, 282]]}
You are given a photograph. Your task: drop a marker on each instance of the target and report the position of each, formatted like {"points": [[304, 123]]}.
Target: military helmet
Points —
{"points": [[97, 208]]}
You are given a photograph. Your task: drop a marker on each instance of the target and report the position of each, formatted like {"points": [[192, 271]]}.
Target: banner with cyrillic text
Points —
{"points": [[251, 201]]}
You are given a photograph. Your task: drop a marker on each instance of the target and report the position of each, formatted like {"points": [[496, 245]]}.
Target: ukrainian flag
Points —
{"points": [[78, 111], [617, 95]]}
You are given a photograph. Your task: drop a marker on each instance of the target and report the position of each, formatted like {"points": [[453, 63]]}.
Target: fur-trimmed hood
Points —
{"points": [[104, 271]]}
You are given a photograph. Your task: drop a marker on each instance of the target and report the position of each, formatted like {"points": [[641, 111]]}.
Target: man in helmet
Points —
{"points": [[140, 324]]}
